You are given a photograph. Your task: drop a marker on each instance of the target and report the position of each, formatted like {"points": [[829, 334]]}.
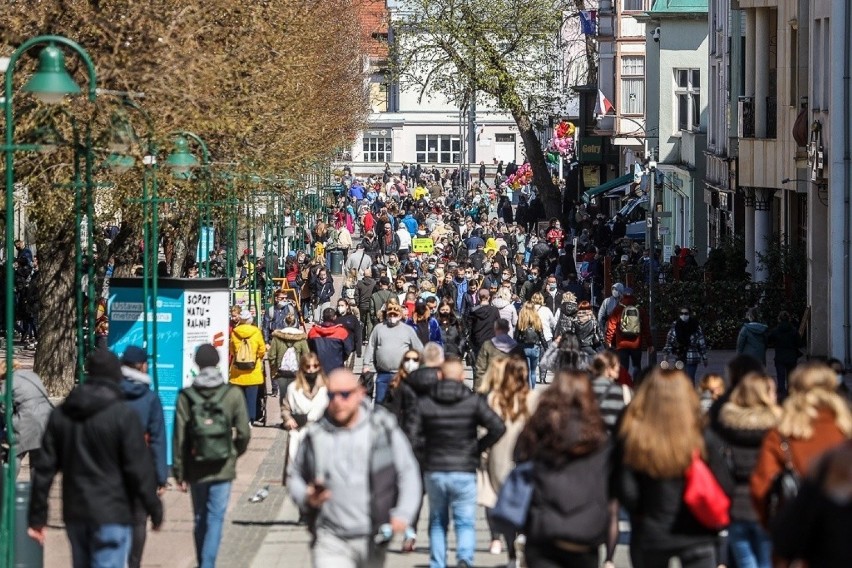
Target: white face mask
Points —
{"points": [[684, 318], [281, 303], [393, 320], [410, 366], [341, 310]]}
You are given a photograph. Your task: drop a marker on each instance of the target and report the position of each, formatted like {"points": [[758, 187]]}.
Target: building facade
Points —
{"points": [[677, 59]]}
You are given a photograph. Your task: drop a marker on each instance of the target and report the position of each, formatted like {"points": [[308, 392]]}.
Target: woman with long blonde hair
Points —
{"points": [[749, 413], [305, 401], [814, 418], [660, 432], [509, 395], [530, 336]]}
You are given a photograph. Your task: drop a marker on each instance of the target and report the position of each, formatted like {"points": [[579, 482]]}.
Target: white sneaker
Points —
{"points": [[496, 547]]}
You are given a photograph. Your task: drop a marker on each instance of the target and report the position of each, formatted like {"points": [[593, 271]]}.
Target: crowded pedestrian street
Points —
{"points": [[426, 283]]}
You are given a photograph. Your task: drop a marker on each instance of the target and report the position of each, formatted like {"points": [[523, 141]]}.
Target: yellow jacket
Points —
{"points": [[245, 377]]}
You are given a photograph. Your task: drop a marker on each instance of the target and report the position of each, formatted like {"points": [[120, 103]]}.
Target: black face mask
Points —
{"points": [[311, 376]]}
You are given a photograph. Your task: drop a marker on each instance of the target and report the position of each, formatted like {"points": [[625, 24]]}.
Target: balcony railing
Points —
{"points": [[771, 117], [745, 126]]}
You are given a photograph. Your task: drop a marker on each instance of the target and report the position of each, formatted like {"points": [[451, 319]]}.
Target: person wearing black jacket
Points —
{"points": [[96, 441], [363, 291], [450, 329], [481, 321], [786, 340], [447, 437]]}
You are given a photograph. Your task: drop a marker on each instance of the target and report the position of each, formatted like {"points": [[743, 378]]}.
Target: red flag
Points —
{"points": [[603, 106]]}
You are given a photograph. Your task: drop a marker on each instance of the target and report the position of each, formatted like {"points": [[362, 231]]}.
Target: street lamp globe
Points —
{"points": [[181, 161], [51, 81], [120, 163]]}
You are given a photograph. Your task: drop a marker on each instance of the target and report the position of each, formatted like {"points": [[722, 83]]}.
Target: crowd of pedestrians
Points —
{"points": [[563, 428]]}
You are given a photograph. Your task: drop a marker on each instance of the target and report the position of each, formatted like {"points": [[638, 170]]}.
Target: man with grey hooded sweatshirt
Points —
{"points": [[355, 478]]}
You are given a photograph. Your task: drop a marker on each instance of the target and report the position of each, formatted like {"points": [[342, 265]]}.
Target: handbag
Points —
{"points": [[513, 501], [704, 497]]}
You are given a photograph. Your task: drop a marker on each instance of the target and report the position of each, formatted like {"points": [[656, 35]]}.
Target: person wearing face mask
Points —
{"points": [[305, 401], [389, 340], [532, 285], [282, 361], [492, 276], [609, 304], [331, 341], [424, 324], [685, 342], [555, 236], [451, 330], [551, 293], [347, 317]]}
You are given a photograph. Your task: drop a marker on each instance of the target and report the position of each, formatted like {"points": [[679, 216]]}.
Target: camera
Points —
{"points": [[656, 34]]}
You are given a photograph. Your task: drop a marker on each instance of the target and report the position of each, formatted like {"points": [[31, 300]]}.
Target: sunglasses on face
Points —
{"points": [[342, 394], [310, 368], [411, 359]]}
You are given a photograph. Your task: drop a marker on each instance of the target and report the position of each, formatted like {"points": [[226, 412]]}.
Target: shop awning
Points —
{"points": [[617, 183]]}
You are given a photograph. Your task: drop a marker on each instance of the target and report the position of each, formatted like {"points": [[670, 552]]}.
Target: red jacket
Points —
{"points": [[613, 328]]}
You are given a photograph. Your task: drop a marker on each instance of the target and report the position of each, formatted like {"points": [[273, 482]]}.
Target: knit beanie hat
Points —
{"points": [[206, 356], [103, 364]]}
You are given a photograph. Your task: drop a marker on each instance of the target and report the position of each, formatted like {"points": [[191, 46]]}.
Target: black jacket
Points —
{"points": [[786, 340], [481, 323], [96, 441], [446, 433], [363, 291], [452, 335], [659, 518], [570, 502]]}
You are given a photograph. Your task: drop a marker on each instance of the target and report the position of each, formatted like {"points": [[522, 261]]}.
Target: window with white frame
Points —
{"points": [[438, 149], [688, 97], [632, 5], [632, 85], [377, 149]]}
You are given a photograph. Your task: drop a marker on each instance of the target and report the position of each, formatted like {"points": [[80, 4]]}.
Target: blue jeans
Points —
{"points": [[691, 369], [750, 545], [99, 546], [251, 400], [446, 490], [382, 385], [781, 374], [533, 353], [209, 503]]}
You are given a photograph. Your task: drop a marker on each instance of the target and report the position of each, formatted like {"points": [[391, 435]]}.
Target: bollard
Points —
{"points": [[28, 553], [336, 262]]}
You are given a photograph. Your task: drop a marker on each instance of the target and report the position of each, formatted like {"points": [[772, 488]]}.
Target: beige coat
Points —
{"points": [[498, 462]]}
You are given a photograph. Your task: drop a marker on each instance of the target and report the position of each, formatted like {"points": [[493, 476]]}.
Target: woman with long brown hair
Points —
{"points": [[814, 418], [509, 395], [567, 442], [305, 401], [660, 432]]}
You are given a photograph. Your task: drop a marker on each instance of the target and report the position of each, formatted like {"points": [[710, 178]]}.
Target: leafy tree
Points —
{"points": [[271, 85], [511, 51]]}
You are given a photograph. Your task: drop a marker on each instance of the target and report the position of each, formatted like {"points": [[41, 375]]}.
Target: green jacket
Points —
{"points": [[234, 405], [283, 339]]}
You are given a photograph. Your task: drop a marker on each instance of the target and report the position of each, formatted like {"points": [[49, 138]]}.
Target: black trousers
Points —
{"points": [[549, 556], [702, 556]]}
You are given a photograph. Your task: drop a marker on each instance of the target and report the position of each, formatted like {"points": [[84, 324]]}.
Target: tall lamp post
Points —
{"points": [[182, 162], [51, 83]]}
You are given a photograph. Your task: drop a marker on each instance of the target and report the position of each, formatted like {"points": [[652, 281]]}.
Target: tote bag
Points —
{"points": [[513, 501]]}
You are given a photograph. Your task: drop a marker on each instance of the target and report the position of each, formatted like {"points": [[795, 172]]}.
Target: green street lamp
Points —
{"points": [[120, 163], [181, 161], [50, 84]]}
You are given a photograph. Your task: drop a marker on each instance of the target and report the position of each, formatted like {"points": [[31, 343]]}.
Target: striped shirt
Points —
{"points": [[610, 396]]}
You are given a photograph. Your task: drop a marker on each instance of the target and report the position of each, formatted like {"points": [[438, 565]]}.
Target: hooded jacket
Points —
{"points": [[332, 343], [507, 312], [616, 339], [207, 383], [136, 387], [447, 429], [481, 324], [752, 340], [97, 442], [363, 291], [252, 334], [31, 410], [284, 339], [368, 467], [742, 430], [497, 346]]}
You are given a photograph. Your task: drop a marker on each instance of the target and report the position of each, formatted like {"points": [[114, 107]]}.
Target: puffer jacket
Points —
{"points": [[247, 377], [284, 339], [447, 424], [566, 319], [752, 340], [31, 410], [741, 430]]}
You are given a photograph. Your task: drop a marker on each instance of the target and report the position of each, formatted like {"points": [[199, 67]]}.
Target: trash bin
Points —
{"points": [[28, 553], [337, 262]]}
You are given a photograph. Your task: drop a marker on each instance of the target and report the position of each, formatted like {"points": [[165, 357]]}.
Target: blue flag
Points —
{"points": [[588, 22]]}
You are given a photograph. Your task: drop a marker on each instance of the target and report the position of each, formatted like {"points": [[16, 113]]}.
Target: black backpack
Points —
{"points": [[785, 486]]}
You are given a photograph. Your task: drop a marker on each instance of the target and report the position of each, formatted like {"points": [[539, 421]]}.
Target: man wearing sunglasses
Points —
{"points": [[355, 477]]}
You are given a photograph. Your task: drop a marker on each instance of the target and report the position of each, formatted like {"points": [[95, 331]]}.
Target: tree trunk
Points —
{"points": [[125, 249], [547, 190], [56, 355]]}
